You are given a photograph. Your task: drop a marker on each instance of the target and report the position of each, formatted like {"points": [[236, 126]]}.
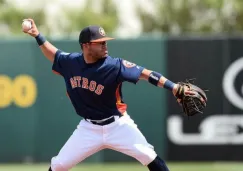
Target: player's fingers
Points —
{"points": [[189, 93], [30, 31], [25, 31], [203, 101]]}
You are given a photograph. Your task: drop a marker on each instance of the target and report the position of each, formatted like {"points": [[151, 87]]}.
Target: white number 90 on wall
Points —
{"points": [[22, 91]]}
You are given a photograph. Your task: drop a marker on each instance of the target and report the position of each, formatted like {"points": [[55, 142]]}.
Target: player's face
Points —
{"points": [[98, 49]]}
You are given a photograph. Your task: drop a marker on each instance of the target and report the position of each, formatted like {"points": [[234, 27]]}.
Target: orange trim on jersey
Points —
{"points": [[118, 96], [55, 72], [122, 107]]}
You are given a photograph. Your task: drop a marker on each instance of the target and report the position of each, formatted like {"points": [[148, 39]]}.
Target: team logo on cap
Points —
{"points": [[128, 64], [102, 31]]}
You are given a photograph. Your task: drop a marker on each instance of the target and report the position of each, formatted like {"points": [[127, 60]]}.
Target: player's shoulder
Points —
{"points": [[121, 61], [111, 60], [74, 55], [118, 61], [68, 55]]}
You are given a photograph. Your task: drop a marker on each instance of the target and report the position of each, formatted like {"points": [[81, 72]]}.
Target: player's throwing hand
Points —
{"points": [[33, 31]]}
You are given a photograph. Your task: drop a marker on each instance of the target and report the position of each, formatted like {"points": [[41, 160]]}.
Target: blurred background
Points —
{"points": [[181, 39]]}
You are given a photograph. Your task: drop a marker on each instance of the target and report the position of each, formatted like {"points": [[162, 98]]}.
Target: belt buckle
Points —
{"points": [[98, 121], [103, 120]]}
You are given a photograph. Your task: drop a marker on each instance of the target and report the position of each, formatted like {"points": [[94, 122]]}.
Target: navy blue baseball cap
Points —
{"points": [[93, 34]]}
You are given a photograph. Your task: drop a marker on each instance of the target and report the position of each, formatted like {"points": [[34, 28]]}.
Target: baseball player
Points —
{"points": [[94, 82]]}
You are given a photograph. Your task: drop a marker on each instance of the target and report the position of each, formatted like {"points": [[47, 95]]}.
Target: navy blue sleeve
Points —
{"points": [[60, 62], [129, 71]]}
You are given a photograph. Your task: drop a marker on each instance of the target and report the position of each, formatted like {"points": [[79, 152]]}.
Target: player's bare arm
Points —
{"points": [[158, 80], [46, 47]]}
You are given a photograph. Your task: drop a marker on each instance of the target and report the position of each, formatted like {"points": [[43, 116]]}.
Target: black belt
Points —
{"points": [[102, 123]]}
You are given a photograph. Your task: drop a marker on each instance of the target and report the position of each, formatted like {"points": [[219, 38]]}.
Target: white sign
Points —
{"points": [[228, 83], [216, 129]]}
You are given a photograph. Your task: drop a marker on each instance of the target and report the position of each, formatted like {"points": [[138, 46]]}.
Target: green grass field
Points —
{"points": [[217, 166]]}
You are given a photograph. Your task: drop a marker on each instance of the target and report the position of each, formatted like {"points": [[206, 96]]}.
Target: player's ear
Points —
{"points": [[84, 45], [81, 46]]}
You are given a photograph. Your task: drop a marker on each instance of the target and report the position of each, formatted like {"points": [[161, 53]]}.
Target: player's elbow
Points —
{"points": [[49, 51], [145, 74], [50, 56]]}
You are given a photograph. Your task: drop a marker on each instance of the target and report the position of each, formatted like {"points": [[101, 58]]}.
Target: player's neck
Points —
{"points": [[89, 59]]}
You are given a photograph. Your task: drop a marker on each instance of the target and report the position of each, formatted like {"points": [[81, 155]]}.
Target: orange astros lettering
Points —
{"points": [[86, 84]]}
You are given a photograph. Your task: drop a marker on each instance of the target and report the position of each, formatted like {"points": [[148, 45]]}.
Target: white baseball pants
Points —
{"points": [[121, 135]]}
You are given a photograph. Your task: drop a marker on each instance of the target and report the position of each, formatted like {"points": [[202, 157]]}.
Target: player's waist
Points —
{"points": [[105, 121]]}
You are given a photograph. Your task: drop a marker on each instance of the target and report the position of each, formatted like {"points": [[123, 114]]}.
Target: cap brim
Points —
{"points": [[102, 39]]}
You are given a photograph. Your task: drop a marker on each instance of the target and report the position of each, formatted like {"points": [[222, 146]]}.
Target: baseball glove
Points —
{"points": [[193, 100]]}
